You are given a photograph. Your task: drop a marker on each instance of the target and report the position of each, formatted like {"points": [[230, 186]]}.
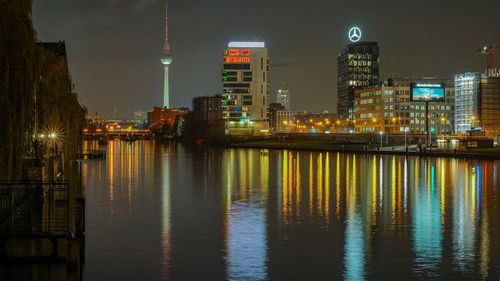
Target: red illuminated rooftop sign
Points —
{"points": [[238, 52]]}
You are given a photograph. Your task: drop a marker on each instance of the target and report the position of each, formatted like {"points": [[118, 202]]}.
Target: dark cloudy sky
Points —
{"points": [[114, 45]]}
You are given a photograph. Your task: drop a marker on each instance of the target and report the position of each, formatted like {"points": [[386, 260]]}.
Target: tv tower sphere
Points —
{"points": [[166, 59]]}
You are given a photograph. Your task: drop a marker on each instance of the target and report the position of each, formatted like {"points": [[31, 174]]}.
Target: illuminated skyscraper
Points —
{"points": [[358, 68], [284, 96], [245, 96], [166, 60]]}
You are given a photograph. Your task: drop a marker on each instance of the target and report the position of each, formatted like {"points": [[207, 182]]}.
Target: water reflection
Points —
{"points": [[245, 229], [243, 214], [427, 228], [354, 260], [165, 210], [119, 190]]}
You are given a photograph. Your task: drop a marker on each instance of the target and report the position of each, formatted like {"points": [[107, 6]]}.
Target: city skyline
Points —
{"points": [[126, 73], [249, 140]]}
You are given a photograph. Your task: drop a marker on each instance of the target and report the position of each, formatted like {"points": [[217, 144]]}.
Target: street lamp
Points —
{"points": [[443, 120], [406, 130], [381, 133]]}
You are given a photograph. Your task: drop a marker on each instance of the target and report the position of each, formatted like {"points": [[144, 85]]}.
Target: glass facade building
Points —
{"points": [[466, 93], [358, 68], [478, 102], [284, 98]]}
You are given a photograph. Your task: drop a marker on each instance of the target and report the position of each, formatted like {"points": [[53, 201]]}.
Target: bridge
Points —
{"points": [[128, 135]]}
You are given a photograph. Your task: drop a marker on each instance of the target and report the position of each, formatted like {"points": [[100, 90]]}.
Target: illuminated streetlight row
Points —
{"points": [[51, 135], [326, 123]]}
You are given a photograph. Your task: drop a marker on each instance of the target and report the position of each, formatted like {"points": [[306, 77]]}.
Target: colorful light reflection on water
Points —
{"points": [[166, 212]]}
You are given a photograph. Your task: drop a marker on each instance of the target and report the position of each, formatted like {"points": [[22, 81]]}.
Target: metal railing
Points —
{"points": [[79, 215], [34, 208]]}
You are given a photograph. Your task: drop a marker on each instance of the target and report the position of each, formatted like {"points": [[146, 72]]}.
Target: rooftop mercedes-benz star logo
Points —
{"points": [[354, 34]]}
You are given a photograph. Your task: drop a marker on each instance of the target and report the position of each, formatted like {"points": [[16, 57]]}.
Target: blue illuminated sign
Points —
{"points": [[429, 92]]}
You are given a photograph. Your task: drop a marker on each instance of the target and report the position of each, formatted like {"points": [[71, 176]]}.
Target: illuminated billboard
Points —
{"points": [[236, 59], [430, 92]]}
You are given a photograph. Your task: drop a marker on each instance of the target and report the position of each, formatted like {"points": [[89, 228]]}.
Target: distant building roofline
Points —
{"points": [[363, 43], [246, 45], [59, 48]]}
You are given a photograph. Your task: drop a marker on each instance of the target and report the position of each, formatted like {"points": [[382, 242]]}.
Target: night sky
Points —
{"points": [[114, 45]]}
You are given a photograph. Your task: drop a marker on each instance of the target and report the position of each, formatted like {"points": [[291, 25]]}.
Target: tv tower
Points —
{"points": [[166, 60]]}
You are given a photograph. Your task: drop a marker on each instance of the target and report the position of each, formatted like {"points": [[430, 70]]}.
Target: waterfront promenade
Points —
{"points": [[369, 148]]}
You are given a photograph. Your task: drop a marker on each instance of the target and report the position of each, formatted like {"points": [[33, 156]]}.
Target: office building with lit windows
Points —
{"points": [[273, 116], [388, 108], [208, 109], [245, 89], [358, 68], [477, 102], [284, 121]]}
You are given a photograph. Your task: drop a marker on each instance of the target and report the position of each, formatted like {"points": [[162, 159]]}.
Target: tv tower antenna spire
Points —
{"points": [[166, 46], [166, 60]]}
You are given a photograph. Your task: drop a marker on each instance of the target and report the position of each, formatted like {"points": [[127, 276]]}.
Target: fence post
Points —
{"points": [[49, 207]]}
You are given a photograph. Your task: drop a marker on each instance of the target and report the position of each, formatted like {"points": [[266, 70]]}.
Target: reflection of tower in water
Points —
{"points": [[165, 215]]}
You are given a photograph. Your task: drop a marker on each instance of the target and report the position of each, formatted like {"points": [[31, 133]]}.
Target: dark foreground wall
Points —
{"points": [[35, 93]]}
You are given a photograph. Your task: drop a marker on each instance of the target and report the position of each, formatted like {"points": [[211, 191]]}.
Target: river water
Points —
{"points": [[168, 212]]}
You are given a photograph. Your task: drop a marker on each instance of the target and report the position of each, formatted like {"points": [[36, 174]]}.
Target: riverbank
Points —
{"points": [[321, 145]]}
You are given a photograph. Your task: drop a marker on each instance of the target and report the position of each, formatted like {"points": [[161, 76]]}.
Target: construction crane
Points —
{"points": [[489, 51], [288, 64]]}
